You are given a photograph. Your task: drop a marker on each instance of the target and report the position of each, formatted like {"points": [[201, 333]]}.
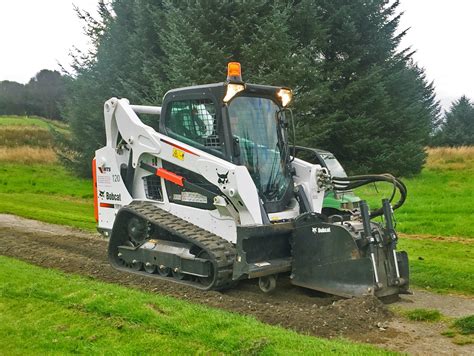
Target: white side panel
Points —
{"points": [[111, 191], [238, 186], [307, 176]]}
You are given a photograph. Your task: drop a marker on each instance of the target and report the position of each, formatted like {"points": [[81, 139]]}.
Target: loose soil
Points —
{"points": [[360, 319]]}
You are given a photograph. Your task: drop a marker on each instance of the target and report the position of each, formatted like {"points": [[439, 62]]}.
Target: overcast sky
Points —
{"points": [[37, 34]]}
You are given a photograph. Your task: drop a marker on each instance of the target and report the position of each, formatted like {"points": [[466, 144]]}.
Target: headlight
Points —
{"points": [[285, 96]]}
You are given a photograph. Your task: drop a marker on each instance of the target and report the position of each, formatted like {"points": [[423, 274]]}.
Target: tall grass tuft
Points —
{"points": [[27, 155], [423, 315], [451, 158], [14, 136]]}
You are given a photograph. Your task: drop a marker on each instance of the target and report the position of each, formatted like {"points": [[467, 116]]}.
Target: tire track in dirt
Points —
{"points": [[362, 319]]}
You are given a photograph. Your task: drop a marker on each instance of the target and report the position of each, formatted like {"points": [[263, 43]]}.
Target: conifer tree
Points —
{"points": [[458, 126], [367, 103]]}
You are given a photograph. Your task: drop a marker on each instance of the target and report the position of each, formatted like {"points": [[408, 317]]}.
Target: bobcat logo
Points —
{"points": [[102, 193], [223, 178]]}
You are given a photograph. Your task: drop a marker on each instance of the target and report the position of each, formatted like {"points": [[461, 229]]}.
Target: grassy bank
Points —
{"points": [[441, 265], [32, 183], [48, 312], [46, 192], [440, 199], [32, 121]]}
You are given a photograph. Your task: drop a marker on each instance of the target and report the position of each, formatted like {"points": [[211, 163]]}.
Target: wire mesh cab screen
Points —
{"points": [[194, 122]]}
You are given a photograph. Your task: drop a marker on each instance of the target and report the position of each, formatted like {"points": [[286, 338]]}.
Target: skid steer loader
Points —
{"points": [[216, 195]]}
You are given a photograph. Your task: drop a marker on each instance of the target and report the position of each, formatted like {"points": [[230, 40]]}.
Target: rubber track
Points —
{"points": [[222, 253]]}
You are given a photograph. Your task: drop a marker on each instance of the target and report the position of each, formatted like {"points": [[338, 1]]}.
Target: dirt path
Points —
{"points": [[362, 319]]}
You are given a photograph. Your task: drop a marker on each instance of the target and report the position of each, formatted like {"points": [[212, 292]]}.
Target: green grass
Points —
{"points": [[440, 199], [47, 193], [30, 121], [438, 203], [43, 179], [465, 325], [48, 312], [461, 331], [423, 315], [440, 265]]}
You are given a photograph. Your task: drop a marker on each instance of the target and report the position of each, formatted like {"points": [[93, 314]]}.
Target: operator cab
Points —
{"points": [[242, 123]]}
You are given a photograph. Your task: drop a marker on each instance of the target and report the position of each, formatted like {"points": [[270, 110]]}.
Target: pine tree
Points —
{"points": [[367, 103], [125, 62], [458, 126]]}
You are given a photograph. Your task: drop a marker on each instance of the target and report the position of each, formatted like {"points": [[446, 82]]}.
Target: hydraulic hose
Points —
{"points": [[342, 184]]}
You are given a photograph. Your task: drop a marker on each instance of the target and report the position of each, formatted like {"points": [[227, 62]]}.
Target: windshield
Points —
{"points": [[254, 123], [333, 165]]}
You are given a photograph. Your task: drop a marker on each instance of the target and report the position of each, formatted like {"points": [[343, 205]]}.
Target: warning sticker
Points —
{"points": [[178, 154], [193, 197]]}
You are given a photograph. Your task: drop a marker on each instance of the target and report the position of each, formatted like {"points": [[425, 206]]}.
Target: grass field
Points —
{"points": [[90, 317], [441, 265], [30, 121], [440, 199], [46, 192], [439, 204], [32, 183]]}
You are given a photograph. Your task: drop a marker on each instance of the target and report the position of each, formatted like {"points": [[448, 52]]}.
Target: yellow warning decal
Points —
{"points": [[178, 154]]}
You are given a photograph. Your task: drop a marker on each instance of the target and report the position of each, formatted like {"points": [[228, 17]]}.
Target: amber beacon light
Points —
{"points": [[234, 72], [235, 83]]}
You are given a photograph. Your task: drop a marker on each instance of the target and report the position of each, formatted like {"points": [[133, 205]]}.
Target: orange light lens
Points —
{"points": [[233, 69]]}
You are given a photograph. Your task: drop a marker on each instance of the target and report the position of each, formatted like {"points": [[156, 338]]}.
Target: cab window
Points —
{"points": [[194, 122]]}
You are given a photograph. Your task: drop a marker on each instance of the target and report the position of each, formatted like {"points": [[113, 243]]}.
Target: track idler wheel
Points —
{"points": [[267, 283], [206, 281]]}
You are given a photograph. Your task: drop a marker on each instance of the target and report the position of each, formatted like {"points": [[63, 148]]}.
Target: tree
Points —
{"points": [[457, 128], [45, 93], [42, 96], [366, 102], [12, 98]]}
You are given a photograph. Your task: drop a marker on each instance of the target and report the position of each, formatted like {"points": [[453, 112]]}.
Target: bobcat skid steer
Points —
{"points": [[216, 195]]}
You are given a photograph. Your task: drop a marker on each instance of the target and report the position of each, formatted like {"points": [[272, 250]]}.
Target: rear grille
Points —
{"points": [[152, 185]]}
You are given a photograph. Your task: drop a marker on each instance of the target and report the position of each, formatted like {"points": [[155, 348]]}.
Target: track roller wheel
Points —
{"points": [[150, 268], [177, 274], [164, 271], [267, 283], [136, 265]]}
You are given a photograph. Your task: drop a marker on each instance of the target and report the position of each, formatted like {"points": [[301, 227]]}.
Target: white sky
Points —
{"points": [[442, 33], [37, 34]]}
